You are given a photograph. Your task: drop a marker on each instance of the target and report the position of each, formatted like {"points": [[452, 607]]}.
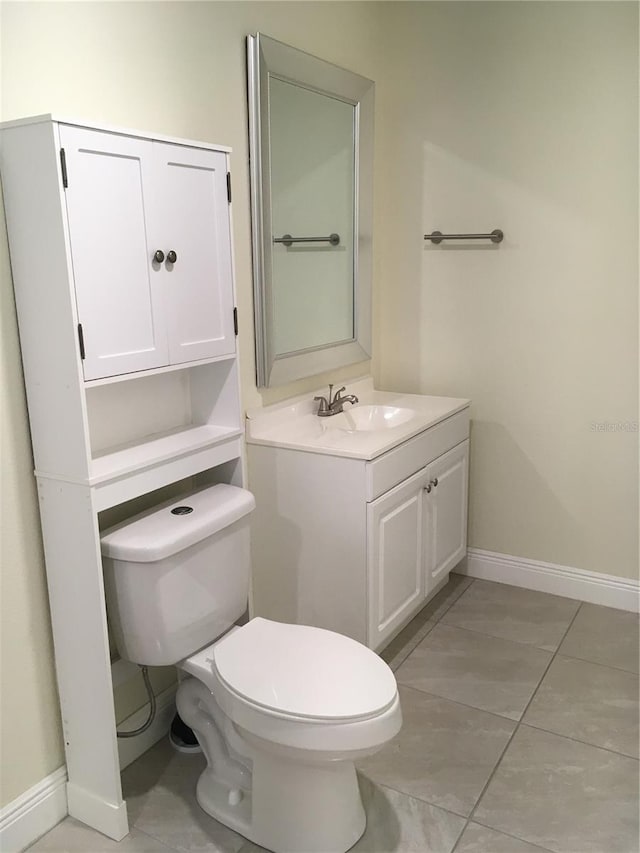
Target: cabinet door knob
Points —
{"points": [[435, 481], [171, 256], [158, 256], [427, 488]]}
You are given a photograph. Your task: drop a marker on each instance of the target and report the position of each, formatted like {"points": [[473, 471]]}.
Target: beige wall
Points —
{"points": [[542, 334], [524, 116], [28, 698]]}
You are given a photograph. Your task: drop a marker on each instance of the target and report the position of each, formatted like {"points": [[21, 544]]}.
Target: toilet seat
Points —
{"points": [[304, 672], [300, 686]]}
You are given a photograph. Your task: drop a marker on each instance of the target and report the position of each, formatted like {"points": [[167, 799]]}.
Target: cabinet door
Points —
{"points": [[118, 289], [395, 557], [193, 222], [446, 504]]}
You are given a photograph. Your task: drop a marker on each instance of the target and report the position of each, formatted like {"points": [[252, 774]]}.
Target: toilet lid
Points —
{"points": [[303, 671]]}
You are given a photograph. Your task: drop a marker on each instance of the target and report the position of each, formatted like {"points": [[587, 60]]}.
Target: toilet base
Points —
{"points": [[291, 807], [216, 799], [288, 801]]}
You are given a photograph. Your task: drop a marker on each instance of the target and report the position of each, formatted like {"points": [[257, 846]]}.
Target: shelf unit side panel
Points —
{"points": [[41, 269], [215, 394], [78, 614]]}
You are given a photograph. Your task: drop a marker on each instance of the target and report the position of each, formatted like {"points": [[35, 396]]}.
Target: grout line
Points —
{"points": [[520, 720], [598, 663], [553, 657], [415, 797], [461, 704], [517, 723], [517, 728], [509, 639], [153, 838], [499, 639], [426, 621], [515, 837], [455, 600], [583, 742], [412, 796], [410, 649], [459, 838]]}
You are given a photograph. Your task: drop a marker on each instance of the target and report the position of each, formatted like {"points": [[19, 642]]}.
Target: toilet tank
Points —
{"points": [[177, 576]]}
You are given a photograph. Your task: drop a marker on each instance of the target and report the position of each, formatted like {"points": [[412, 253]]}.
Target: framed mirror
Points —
{"points": [[311, 147]]}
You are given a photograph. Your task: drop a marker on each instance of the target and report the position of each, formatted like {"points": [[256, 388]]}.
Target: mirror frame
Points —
{"points": [[269, 58]]}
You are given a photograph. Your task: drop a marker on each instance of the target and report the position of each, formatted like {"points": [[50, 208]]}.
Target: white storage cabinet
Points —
{"points": [[359, 546], [151, 258], [130, 371]]}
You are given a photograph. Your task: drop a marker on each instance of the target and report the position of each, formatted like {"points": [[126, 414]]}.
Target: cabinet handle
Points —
{"points": [[427, 488], [435, 482], [171, 256], [158, 256]]}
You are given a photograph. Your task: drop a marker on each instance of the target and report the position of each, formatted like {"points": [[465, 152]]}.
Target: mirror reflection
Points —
{"points": [[312, 196], [311, 135]]}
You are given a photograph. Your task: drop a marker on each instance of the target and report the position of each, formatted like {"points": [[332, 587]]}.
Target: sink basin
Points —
{"points": [[368, 418]]}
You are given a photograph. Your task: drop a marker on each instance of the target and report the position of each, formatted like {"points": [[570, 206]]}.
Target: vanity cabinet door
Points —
{"points": [[194, 224], [446, 513], [118, 289], [396, 558]]}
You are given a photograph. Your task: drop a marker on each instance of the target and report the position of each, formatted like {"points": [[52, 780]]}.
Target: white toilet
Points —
{"points": [[281, 711]]}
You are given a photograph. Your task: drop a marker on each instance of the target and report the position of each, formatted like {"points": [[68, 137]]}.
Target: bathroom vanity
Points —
{"points": [[361, 515]]}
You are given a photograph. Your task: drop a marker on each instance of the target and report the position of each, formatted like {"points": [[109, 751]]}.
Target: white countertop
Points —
{"points": [[294, 424]]}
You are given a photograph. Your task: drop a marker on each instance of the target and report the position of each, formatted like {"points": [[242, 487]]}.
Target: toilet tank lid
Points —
{"points": [[177, 524]]}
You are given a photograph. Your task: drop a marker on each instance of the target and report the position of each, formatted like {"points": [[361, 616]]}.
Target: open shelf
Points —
{"points": [[160, 428], [156, 450], [128, 472]]}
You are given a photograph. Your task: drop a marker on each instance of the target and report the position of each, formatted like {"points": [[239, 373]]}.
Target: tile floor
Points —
{"points": [[520, 735]]}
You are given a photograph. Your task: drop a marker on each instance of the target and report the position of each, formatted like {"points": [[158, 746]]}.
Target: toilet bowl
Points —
{"points": [[305, 703], [281, 711]]}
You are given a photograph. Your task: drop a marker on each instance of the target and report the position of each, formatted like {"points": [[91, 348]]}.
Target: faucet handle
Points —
{"points": [[336, 396]]}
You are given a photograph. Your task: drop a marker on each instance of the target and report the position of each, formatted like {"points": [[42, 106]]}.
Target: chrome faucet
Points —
{"points": [[333, 405]]}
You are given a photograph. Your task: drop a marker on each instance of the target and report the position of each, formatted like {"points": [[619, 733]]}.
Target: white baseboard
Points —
{"points": [[106, 817], [33, 813], [48, 802], [596, 588]]}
